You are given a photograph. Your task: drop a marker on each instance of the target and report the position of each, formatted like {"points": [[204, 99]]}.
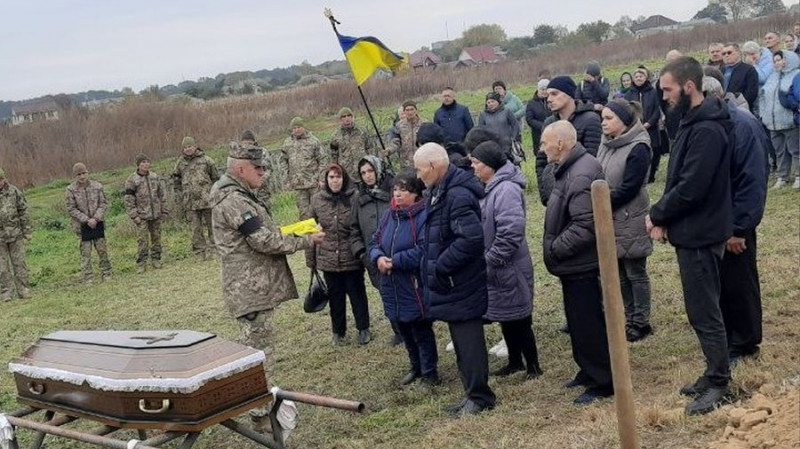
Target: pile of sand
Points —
{"points": [[770, 419]]}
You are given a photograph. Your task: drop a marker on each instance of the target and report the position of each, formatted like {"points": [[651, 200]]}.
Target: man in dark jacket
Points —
{"points": [[739, 78], [562, 102], [454, 118], [536, 112], [695, 214], [740, 297], [569, 253], [594, 88], [454, 269]]}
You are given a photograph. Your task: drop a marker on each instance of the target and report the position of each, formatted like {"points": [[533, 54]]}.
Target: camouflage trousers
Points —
{"points": [[302, 198], [202, 237], [148, 238], [13, 269], [257, 333], [86, 258]]}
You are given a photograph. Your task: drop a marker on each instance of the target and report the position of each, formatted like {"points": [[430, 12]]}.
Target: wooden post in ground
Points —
{"points": [[615, 314]]}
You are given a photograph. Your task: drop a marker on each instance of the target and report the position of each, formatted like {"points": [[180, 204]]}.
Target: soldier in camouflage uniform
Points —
{"points": [[407, 128], [193, 176], [86, 204], [264, 193], [15, 227], [145, 204], [350, 144], [253, 267], [303, 158]]}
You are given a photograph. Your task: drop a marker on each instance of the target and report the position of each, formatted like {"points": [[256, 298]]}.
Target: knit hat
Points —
{"points": [[621, 112], [248, 135], [499, 83], [345, 111], [2, 174], [493, 96], [187, 141], [79, 168], [491, 154], [542, 84], [297, 121], [593, 69], [141, 157], [564, 84], [430, 132]]}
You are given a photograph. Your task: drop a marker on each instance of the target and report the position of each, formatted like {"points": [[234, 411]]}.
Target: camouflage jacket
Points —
{"points": [[84, 202], [193, 177], [333, 216], [253, 267], [303, 160], [348, 146], [144, 196], [406, 144], [14, 219]]}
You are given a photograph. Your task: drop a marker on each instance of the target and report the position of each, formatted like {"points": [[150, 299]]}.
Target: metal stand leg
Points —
{"points": [[142, 434], [248, 433], [277, 430], [191, 438], [39, 439]]}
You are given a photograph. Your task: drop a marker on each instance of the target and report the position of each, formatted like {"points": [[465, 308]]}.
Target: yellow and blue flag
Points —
{"points": [[365, 54]]}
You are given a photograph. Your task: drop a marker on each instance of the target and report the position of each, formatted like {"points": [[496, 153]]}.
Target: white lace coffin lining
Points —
{"points": [[150, 384]]}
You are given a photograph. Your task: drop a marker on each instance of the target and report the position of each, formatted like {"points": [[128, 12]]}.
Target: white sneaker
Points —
{"points": [[796, 184], [500, 344], [450, 347], [779, 183]]}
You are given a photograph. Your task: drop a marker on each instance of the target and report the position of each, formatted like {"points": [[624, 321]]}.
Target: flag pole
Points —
{"points": [[329, 14]]}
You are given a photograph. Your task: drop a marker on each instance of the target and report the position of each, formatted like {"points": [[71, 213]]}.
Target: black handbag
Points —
{"points": [[317, 296]]}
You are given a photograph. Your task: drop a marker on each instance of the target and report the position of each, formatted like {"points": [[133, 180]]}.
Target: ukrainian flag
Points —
{"points": [[365, 54]]}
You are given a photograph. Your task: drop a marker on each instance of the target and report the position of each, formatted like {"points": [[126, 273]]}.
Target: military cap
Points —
{"points": [[297, 121], [141, 157], [187, 141], [345, 111], [248, 135], [79, 168], [251, 153]]}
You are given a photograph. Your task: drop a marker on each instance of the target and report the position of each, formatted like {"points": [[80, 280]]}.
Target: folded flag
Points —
{"points": [[301, 227], [365, 54]]}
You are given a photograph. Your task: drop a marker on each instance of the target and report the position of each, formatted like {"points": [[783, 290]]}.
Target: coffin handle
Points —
{"points": [[36, 388], [164, 407]]}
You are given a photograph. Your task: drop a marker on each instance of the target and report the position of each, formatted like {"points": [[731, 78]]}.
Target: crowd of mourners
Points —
{"points": [[437, 215]]}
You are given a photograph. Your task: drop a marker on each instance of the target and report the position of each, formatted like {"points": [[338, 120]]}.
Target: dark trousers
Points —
{"points": [[635, 286], [469, 342], [521, 343], [350, 283], [699, 269], [740, 299], [583, 304], [420, 342]]}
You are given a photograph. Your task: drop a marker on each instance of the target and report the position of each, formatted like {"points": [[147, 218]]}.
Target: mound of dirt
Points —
{"points": [[770, 419]]}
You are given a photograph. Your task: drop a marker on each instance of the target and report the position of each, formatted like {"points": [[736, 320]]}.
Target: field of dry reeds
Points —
{"points": [[110, 138]]}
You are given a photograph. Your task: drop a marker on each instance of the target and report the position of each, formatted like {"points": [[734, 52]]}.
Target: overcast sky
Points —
{"points": [[69, 46]]}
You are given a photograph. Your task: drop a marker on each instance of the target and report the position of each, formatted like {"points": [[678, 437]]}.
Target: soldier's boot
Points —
{"points": [[106, 276], [141, 268], [25, 293], [157, 263], [5, 296]]}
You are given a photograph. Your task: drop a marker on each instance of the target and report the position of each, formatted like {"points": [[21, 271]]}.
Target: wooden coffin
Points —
{"points": [[172, 380]]}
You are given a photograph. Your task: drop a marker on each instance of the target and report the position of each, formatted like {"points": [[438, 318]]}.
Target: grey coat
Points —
{"points": [[502, 122], [629, 228], [509, 269]]}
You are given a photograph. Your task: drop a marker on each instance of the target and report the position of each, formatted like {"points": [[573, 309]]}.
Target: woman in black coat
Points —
{"points": [[642, 91]]}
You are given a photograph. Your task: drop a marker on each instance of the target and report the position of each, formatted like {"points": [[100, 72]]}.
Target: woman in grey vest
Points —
{"points": [[625, 155]]}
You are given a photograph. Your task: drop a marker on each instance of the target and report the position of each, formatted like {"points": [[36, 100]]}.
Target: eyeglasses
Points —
{"points": [[726, 53]]}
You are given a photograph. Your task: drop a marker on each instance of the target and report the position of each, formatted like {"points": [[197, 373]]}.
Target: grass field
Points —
{"points": [[186, 294]]}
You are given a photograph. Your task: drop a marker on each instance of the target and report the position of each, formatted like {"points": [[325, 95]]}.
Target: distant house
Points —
{"points": [[31, 111], [482, 54], [654, 24], [423, 59], [689, 24]]}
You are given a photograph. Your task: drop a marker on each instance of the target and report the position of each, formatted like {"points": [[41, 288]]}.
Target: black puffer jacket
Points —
{"points": [[536, 112], [569, 239], [587, 125]]}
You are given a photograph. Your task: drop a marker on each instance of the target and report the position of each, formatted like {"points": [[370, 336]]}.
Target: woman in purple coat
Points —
{"points": [[396, 249], [509, 269]]}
